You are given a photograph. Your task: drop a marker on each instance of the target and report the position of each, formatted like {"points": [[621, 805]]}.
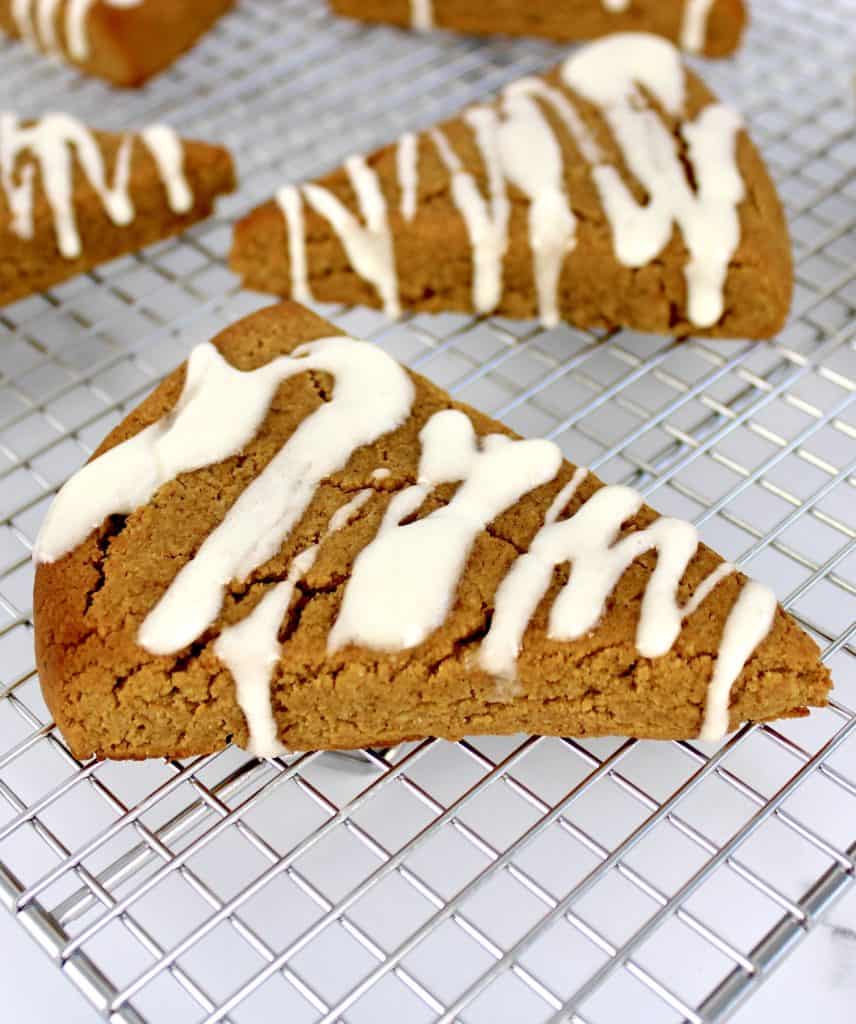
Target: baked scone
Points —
{"points": [[125, 42], [71, 198], [710, 27], [614, 191], [295, 542]]}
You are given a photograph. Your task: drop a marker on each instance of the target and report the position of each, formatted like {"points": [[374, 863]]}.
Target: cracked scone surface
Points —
{"points": [[434, 255], [112, 698]]}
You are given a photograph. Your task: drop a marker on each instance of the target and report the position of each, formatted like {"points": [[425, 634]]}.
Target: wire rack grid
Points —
{"points": [[497, 879]]}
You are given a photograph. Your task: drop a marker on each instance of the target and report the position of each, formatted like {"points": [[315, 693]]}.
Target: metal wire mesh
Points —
{"points": [[496, 879]]}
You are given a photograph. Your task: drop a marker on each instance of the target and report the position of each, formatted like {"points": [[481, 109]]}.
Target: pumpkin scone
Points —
{"points": [[614, 191], [125, 42], [710, 27], [71, 197], [296, 543]]}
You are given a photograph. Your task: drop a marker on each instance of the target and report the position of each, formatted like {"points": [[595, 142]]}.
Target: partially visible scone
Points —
{"points": [[710, 27], [296, 542], [613, 191], [124, 41], [71, 197]]}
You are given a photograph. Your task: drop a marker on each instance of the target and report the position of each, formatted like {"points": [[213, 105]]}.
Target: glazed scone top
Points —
{"points": [[403, 583], [693, 26], [51, 146], [36, 22], [518, 146]]}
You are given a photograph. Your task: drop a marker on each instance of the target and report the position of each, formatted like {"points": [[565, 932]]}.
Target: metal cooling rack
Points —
{"points": [[513, 879]]}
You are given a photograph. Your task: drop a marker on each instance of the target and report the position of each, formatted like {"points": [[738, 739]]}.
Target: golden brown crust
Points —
{"points": [[434, 256], [568, 21], [32, 265], [129, 45], [112, 698]]}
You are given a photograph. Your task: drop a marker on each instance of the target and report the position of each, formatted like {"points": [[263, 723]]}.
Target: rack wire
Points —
{"points": [[514, 878]]}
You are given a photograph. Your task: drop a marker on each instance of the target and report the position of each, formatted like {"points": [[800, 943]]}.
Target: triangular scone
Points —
{"points": [[71, 198], [614, 191], [396, 567], [711, 27], [125, 42]]}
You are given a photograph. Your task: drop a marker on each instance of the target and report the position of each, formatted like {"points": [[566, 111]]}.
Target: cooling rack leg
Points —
{"points": [[772, 951]]}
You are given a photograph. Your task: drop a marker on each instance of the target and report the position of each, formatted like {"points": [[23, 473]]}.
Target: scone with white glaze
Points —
{"points": [[296, 543], [125, 42], [614, 191], [72, 197], [709, 27]]}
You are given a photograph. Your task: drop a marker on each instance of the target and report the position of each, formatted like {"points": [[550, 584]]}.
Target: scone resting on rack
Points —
{"points": [[71, 197], [125, 42], [710, 27], [295, 542], [614, 191]]}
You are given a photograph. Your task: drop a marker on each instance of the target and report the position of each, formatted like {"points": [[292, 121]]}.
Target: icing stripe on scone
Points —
{"points": [[291, 205], [706, 215], [390, 610], [403, 583], [532, 161], [518, 146], [168, 153], [369, 248], [251, 649], [406, 162], [487, 222], [694, 25], [51, 146], [422, 15], [36, 21], [588, 541]]}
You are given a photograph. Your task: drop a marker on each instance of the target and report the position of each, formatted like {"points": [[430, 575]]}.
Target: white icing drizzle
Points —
{"points": [[694, 26], [128, 475], [45, 18], [565, 111], [404, 582], [23, 17], [406, 159], [562, 499], [342, 516], [369, 248], [751, 619], [50, 145], [291, 205], [422, 15], [77, 13], [168, 153], [487, 222], [517, 144], [255, 527], [43, 33], [50, 142], [532, 160], [382, 473], [707, 217], [251, 648], [587, 540]]}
